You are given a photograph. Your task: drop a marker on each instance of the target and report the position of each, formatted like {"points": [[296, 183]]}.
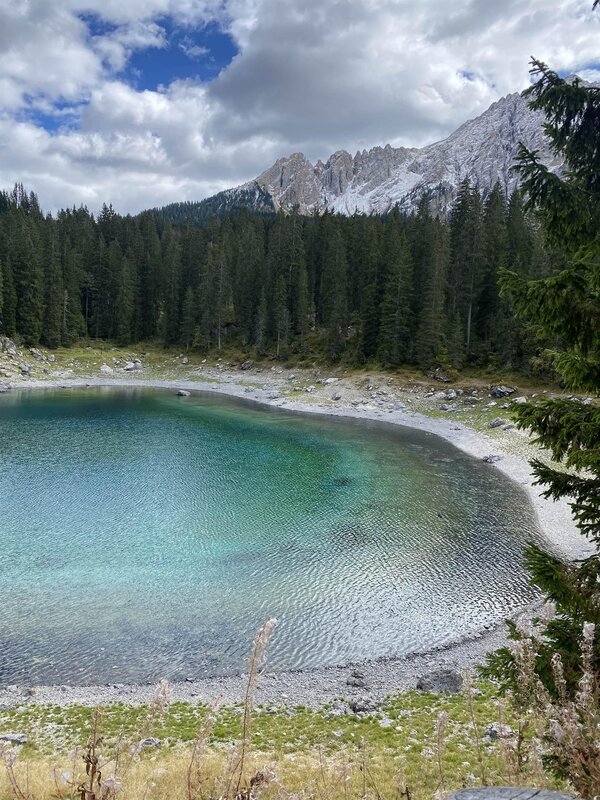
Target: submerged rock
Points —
{"points": [[183, 393]]}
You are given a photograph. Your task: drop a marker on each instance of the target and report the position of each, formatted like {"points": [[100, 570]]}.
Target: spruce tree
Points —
{"points": [[395, 329], [565, 306], [54, 292]]}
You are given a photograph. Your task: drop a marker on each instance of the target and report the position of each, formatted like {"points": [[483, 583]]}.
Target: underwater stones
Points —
{"points": [[442, 680]]}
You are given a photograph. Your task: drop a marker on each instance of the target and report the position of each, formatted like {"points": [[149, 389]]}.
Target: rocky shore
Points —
{"points": [[467, 417]]}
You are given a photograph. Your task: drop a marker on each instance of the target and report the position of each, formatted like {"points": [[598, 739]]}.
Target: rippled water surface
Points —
{"points": [[142, 534]]}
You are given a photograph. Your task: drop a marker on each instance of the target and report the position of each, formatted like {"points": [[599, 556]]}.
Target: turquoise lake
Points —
{"points": [[146, 535]]}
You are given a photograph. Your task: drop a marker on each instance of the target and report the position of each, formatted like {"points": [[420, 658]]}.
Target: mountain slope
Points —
{"points": [[483, 150], [374, 181]]}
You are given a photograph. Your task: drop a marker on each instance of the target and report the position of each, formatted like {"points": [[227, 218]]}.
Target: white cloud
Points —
{"points": [[314, 76], [193, 50]]}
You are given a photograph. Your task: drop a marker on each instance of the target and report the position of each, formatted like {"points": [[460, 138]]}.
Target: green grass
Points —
{"points": [[409, 744]]}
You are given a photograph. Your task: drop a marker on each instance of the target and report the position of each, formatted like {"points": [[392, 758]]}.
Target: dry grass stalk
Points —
{"points": [[257, 657]]}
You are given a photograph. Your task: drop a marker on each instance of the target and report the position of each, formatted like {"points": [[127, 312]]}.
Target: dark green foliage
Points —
{"points": [[565, 308], [220, 205], [394, 289]]}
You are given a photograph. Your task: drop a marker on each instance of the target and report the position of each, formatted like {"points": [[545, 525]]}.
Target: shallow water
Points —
{"points": [[143, 534]]}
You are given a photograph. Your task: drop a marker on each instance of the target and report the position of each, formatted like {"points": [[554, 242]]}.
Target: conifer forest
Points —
{"points": [[391, 290]]}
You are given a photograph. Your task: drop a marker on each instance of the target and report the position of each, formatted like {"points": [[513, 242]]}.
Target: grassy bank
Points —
{"points": [[415, 742]]}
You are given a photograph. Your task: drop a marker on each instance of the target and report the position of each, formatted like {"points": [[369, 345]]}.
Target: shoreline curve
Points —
{"points": [[317, 686]]}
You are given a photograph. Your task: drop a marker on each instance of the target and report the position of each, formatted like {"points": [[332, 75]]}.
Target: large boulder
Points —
{"points": [[442, 680], [497, 423], [8, 346], [502, 391]]}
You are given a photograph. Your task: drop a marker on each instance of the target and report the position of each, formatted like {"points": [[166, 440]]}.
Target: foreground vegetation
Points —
{"points": [[418, 743]]}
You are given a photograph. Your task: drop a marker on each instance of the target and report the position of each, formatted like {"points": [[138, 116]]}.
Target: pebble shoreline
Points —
{"points": [[318, 686]]}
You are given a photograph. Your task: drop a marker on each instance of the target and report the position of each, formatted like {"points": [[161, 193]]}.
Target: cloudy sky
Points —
{"points": [[143, 102]]}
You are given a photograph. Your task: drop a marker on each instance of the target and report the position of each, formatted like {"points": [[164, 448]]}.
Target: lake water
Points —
{"points": [[143, 534]]}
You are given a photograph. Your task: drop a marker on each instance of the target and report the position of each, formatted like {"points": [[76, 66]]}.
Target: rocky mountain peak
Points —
{"points": [[373, 181]]}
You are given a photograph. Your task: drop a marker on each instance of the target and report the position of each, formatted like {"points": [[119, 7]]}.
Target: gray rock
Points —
{"points": [[442, 680], [362, 706], [247, 364], [106, 370], [183, 393], [129, 367], [336, 396], [451, 394], [502, 391], [8, 346], [356, 682], [273, 396], [185, 360], [498, 731], [492, 458], [471, 401], [497, 422], [506, 793], [151, 741], [13, 738], [447, 407], [36, 354], [520, 400]]}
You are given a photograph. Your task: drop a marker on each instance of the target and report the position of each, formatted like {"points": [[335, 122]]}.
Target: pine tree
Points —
{"points": [[334, 293], [565, 306], [395, 329], [172, 311], [430, 340], [125, 301], [54, 292], [189, 318]]}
